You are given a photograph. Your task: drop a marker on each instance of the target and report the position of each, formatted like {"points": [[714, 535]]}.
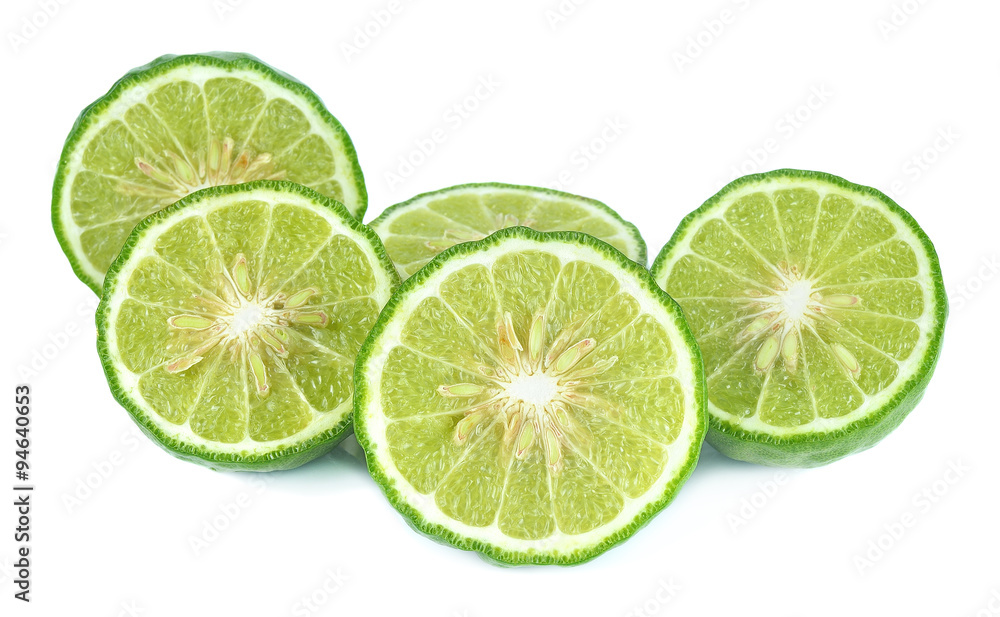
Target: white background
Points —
{"points": [[739, 539]]}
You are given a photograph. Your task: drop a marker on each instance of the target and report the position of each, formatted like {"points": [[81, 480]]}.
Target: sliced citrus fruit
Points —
{"points": [[819, 307], [182, 123], [531, 396], [231, 321], [418, 229]]}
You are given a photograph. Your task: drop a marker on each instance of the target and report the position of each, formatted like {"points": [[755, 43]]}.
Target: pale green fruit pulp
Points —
{"points": [[531, 396], [231, 322], [182, 123], [418, 229], [819, 309]]}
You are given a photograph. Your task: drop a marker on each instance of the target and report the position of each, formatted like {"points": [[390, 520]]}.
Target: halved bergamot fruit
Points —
{"points": [[183, 123], [819, 307], [531, 396], [418, 229], [231, 321]]}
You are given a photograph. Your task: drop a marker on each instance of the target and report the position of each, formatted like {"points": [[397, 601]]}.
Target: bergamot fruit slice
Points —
{"points": [[531, 396], [819, 307], [231, 321], [182, 123], [418, 229]]}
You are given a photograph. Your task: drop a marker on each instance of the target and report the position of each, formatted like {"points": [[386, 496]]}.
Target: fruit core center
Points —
{"points": [[246, 318], [539, 389], [253, 323], [780, 318], [795, 299], [531, 389]]}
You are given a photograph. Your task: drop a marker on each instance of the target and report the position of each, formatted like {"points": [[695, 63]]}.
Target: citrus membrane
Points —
{"points": [[231, 321], [531, 396], [819, 308], [418, 229], [182, 123]]}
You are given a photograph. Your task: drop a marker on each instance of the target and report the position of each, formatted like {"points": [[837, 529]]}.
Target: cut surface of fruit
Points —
{"points": [[531, 396], [183, 123], [819, 307], [231, 321], [418, 229]]}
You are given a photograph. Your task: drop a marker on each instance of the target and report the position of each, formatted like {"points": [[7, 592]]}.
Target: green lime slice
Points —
{"points": [[183, 123], [531, 396], [418, 229], [231, 321], [819, 307]]}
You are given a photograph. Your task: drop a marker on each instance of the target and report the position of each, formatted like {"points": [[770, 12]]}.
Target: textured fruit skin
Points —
{"points": [[632, 229], [287, 458], [489, 552], [221, 59], [814, 450]]}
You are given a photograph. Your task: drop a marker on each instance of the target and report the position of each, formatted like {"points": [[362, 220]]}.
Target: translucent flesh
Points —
{"points": [[110, 193], [461, 215], [624, 416], [287, 247], [845, 251]]}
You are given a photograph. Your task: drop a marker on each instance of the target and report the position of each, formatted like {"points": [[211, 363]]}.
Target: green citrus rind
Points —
{"points": [[287, 457], [490, 552], [820, 448], [225, 61], [636, 246]]}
